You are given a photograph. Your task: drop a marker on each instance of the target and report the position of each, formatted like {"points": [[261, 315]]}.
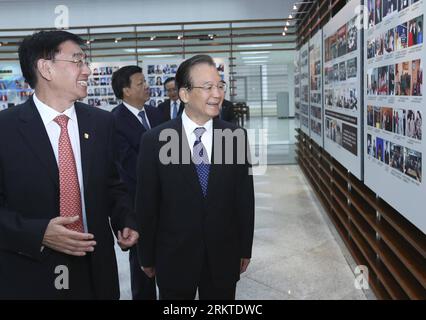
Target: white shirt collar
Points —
{"points": [[48, 114], [173, 101], [190, 125], [133, 109]]}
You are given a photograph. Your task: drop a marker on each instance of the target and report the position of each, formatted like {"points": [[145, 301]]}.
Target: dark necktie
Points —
{"points": [[174, 110], [201, 160], [142, 115]]}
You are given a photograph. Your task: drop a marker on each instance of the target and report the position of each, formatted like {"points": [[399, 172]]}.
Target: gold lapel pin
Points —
{"points": [[86, 136]]}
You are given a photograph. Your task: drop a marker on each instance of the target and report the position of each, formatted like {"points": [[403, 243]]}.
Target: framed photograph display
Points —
{"points": [[342, 87], [304, 88], [315, 88], [394, 96], [13, 88]]}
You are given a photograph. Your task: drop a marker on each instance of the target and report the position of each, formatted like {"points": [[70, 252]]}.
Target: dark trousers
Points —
{"points": [[206, 289], [143, 287], [80, 279]]}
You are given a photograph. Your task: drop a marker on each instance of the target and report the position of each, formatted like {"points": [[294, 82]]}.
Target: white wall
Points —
{"points": [[38, 14]]}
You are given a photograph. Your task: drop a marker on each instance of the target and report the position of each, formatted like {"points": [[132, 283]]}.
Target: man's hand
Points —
{"points": [[149, 271], [128, 238], [59, 238], [244, 264]]}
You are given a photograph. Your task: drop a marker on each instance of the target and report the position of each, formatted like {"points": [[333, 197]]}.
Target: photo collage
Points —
{"points": [[315, 86], [99, 89], [296, 86], [13, 91], [344, 41], [405, 160], [401, 79], [304, 89], [394, 98], [400, 122], [403, 36], [381, 10], [156, 75], [341, 85]]}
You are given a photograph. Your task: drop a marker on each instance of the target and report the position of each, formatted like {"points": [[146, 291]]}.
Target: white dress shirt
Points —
{"points": [[171, 107], [53, 130], [207, 138], [136, 111]]}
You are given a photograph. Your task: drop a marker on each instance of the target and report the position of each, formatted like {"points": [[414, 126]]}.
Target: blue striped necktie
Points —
{"points": [[144, 122], [201, 160]]}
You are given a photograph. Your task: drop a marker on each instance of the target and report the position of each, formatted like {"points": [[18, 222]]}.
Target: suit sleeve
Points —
{"points": [[18, 234], [122, 213], [147, 199], [245, 204]]}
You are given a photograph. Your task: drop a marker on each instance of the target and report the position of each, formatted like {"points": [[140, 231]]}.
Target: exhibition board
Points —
{"points": [[304, 88], [394, 57], [296, 89], [315, 88], [342, 87]]}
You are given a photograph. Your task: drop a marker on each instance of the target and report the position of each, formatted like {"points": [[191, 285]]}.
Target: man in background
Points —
{"points": [[172, 107], [132, 119]]}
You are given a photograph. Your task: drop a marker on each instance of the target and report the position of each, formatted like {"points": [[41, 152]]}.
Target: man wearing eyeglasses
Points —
{"points": [[172, 107], [196, 207], [60, 191]]}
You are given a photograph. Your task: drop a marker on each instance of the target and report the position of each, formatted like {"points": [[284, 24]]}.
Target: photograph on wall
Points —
{"points": [[394, 96], [13, 88], [315, 66], [304, 89], [342, 86], [297, 89]]}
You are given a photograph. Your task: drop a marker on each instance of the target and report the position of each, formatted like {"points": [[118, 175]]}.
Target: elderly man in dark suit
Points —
{"points": [[60, 191], [133, 118], [195, 198], [172, 107]]}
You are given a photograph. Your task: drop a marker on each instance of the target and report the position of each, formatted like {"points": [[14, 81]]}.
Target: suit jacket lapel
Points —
{"points": [[35, 134], [87, 129], [131, 120], [214, 173]]}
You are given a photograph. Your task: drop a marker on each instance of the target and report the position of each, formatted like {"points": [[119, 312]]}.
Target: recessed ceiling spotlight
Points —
{"points": [[153, 38]]}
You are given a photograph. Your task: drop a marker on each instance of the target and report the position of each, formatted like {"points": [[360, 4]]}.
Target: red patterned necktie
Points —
{"points": [[69, 188]]}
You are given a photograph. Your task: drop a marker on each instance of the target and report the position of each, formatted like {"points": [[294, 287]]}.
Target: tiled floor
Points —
{"points": [[297, 254]]}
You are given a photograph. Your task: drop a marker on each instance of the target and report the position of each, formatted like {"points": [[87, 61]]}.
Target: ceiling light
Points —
{"points": [[254, 52], [88, 42], [252, 58], [179, 37], [255, 62], [153, 38], [285, 28], [287, 23], [283, 33], [294, 7], [143, 50], [290, 16], [160, 56], [254, 45]]}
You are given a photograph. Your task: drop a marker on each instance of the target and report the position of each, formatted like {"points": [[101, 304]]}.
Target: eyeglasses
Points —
{"points": [[208, 87], [79, 62]]}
